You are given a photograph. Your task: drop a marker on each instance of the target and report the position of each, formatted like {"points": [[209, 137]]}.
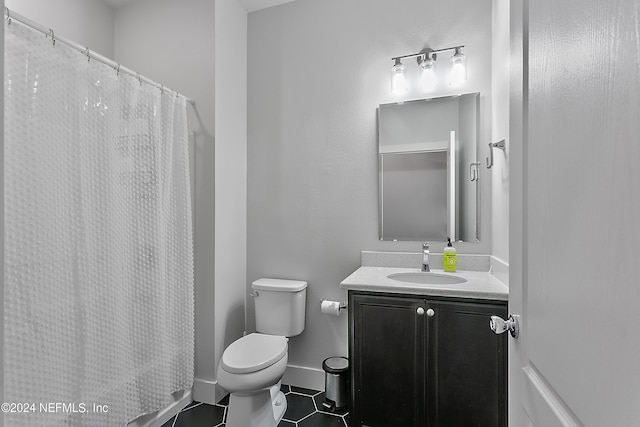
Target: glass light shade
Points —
{"points": [[428, 78], [398, 78], [458, 75]]}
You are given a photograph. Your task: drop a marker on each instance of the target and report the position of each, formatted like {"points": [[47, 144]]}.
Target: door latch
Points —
{"points": [[499, 325]]}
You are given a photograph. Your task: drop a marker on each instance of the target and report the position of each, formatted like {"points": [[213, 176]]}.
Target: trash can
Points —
{"points": [[336, 383]]}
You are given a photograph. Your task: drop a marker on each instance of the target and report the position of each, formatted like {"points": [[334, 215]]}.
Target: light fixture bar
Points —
{"points": [[426, 52], [426, 59]]}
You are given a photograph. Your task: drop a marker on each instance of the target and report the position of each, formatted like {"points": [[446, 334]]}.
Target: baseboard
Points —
{"points": [[157, 419], [206, 391], [302, 376], [299, 376], [220, 392]]}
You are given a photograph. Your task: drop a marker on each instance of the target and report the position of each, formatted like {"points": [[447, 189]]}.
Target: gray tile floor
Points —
{"points": [[304, 409]]}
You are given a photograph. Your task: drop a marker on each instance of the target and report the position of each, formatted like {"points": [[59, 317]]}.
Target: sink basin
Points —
{"points": [[427, 278]]}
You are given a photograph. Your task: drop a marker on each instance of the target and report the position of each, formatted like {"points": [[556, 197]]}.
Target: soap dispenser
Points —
{"points": [[449, 258]]}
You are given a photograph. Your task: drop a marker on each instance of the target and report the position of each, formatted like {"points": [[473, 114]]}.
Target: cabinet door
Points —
{"points": [[387, 345], [466, 378]]}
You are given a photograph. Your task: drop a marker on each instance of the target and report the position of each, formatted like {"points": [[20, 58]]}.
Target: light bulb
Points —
{"points": [[428, 79], [398, 78], [458, 75]]}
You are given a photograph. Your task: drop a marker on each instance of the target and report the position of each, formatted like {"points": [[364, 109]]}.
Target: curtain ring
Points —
{"points": [[53, 37], [8, 16], [140, 79], [88, 53], [161, 89], [118, 70]]}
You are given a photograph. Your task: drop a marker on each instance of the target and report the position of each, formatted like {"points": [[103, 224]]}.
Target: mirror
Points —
{"points": [[428, 169]]}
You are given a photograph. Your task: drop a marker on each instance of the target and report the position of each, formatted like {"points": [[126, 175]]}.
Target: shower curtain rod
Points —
{"points": [[10, 15]]}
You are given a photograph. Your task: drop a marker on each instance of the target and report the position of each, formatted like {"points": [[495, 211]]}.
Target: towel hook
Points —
{"points": [[473, 171], [500, 145]]}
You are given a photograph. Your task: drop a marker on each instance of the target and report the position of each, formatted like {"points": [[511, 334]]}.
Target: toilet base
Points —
{"points": [[263, 408]]}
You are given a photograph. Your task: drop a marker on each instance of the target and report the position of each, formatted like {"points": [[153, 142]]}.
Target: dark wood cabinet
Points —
{"points": [[426, 362]]}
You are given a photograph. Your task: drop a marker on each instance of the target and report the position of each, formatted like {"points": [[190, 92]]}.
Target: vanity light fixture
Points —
{"points": [[398, 78], [458, 75], [428, 78], [427, 60]]}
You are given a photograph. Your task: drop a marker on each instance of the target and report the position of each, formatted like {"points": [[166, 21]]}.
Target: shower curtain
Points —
{"points": [[99, 263]]}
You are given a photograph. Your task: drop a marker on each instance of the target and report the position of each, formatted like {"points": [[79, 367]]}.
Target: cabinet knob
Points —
{"points": [[430, 312], [420, 311]]}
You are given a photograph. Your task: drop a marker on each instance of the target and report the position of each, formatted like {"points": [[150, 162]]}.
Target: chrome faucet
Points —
{"points": [[425, 256]]}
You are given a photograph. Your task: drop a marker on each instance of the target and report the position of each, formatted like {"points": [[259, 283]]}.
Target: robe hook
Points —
{"points": [[500, 145]]}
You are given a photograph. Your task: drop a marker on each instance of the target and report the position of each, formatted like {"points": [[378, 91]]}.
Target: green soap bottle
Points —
{"points": [[449, 259]]}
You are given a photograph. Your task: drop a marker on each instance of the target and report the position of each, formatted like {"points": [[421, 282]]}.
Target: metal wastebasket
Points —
{"points": [[336, 383]]}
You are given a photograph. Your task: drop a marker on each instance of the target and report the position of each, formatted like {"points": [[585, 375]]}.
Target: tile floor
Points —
{"points": [[304, 409]]}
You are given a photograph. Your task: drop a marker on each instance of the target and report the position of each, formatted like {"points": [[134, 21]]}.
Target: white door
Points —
{"points": [[575, 209]]}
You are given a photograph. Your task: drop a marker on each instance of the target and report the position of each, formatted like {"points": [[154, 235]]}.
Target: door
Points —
{"points": [[389, 373], [575, 213]]}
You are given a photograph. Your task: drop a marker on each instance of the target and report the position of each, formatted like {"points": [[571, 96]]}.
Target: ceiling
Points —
{"points": [[253, 5], [117, 3], [250, 5]]}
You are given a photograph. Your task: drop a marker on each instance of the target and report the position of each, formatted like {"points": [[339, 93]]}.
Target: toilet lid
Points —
{"points": [[253, 352]]}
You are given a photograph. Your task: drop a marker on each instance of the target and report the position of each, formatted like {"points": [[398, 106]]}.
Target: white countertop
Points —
{"points": [[479, 284]]}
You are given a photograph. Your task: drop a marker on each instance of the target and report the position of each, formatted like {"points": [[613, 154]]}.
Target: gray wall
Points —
{"points": [[230, 174], [89, 23], [318, 69], [2, 222], [504, 65]]}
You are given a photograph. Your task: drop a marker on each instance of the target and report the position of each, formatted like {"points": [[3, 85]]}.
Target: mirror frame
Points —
{"points": [[475, 236]]}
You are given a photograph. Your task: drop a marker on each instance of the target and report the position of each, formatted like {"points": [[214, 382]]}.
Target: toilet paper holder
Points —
{"points": [[343, 305], [329, 307]]}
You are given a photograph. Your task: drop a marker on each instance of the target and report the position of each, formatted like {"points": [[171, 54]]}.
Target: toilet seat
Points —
{"points": [[253, 352]]}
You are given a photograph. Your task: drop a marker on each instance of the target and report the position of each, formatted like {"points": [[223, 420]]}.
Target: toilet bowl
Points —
{"points": [[251, 367]]}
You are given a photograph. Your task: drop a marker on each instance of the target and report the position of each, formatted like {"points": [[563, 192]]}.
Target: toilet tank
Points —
{"points": [[280, 306]]}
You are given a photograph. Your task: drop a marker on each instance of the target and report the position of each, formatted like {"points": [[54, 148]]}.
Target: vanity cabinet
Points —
{"points": [[420, 361]]}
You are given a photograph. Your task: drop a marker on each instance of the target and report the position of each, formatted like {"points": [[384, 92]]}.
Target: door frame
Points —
{"points": [[518, 103]]}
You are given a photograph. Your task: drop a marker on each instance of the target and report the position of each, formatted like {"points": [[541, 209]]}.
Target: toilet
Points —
{"points": [[251, 367]]}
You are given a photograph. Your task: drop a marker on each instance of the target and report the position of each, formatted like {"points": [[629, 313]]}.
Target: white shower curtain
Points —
{"points": [[99, 264]]}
